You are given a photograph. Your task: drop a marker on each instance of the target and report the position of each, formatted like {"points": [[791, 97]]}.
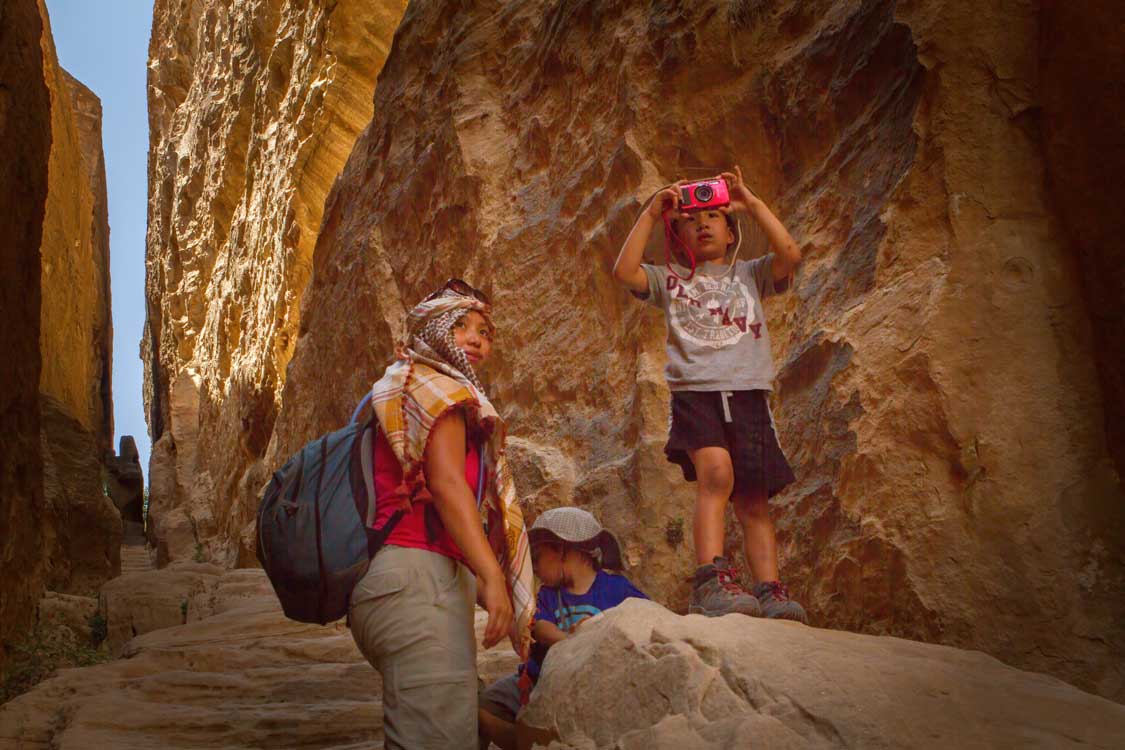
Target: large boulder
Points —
{"points": [[140, 603], [642, 678]]}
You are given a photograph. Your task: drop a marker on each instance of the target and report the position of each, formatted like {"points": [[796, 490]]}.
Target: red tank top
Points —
{"points": [[411, 528]]}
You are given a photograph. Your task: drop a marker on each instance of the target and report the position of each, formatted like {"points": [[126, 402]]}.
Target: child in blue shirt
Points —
{"points": [[570, 552]]}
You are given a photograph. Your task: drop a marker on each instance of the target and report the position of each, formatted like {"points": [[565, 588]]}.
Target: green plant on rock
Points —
{"points": [[198, 556], [38, 657], [674, 531], [99, 629]]}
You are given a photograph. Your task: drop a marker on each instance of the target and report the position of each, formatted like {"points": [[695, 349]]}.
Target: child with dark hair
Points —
{"points": [[720, 371], [570, 553]]}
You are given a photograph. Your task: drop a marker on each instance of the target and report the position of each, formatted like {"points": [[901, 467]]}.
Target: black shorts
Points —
{"points": [[739, 421]]}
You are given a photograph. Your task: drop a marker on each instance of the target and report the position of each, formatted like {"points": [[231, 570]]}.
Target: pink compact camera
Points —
{"points": [[698, 196]]}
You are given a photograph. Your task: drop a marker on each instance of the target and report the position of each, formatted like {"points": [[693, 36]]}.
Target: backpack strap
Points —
{"points": [[359, 407]]}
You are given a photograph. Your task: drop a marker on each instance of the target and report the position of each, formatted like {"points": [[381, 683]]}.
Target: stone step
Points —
{"points": [[135, 559]]}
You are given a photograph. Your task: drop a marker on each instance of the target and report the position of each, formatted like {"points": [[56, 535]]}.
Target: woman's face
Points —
{"points": [[473, 335]]}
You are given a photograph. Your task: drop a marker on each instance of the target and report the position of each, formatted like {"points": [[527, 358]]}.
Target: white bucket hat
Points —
{"points": [[579, 528]]}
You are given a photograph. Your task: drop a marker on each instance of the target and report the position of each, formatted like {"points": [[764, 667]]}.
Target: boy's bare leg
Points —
{"points": [[500, 732], [715, 479], [759, 538], [760, 545]]}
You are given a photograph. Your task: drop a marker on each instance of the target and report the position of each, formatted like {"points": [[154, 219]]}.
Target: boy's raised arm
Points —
{"points": [[786, 254], [627, 270]]}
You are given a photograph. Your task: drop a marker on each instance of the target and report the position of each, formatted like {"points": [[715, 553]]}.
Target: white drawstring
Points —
{"points": [[726, 405]]}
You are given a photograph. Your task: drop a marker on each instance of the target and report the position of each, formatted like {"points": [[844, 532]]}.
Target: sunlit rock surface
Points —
{"points": [[253, 108]]}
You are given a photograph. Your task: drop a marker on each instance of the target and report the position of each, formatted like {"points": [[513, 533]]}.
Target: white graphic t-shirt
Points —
{"points": [[717, 335]]}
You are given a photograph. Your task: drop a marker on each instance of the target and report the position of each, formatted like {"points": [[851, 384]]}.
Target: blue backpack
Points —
{"points": [[315, 522]]}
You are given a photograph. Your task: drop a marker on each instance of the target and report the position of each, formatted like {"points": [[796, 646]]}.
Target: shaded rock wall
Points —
{"points": [[126, 485], [60, 531], [25, 108], [939, 391], [1082, 63], [253, 109]]}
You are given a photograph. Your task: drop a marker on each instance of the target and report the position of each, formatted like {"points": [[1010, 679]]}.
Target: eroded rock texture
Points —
{"points": [[60, 530], [253, 110], [739, 682], [939, 390]]}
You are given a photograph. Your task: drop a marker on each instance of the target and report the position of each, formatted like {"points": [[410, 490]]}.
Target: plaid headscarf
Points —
{"points": [[425, 383], [435, 337]]}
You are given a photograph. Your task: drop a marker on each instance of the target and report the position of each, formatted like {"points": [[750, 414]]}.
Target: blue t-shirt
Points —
{"points": [[564, 609]]}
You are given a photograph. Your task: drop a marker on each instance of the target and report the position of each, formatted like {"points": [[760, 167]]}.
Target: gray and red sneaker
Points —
{"points": [[716, 592], [776, 604]]}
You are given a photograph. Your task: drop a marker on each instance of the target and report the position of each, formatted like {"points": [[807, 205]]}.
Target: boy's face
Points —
{"points": [[547, 561], [706, 233]]}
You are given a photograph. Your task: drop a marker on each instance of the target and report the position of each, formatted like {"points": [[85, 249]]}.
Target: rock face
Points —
{"points": [[1080, 62], [941, 380], [81, 525], [126, 484], [60, 530], [253, 109], [640, 677], [82, 530]]}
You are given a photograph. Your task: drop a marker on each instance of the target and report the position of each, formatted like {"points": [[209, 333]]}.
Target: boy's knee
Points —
{"points": [[716, 477]]}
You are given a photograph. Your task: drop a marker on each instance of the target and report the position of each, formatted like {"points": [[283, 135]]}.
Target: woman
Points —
{"points": [[412, 613]]}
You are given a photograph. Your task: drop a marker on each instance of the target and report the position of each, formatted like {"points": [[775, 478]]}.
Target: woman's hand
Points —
{"points": [[492, 595], [741, 197]]}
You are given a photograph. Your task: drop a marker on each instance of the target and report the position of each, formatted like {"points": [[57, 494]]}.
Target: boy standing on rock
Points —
{"points": [[720, 370]]}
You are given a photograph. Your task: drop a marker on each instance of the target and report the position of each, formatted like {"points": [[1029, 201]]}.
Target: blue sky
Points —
{"points": [[104, 44]]}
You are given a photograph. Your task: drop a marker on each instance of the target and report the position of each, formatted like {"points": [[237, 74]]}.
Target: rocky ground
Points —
{"points": [[206, 659]]}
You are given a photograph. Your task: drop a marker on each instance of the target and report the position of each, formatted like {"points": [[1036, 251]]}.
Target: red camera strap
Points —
{"points": [[669, 237]]}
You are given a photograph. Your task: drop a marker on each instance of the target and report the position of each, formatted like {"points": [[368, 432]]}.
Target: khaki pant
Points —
{"points": [[412, 617]]}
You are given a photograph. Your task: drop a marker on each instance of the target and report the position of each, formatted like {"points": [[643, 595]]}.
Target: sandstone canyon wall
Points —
{"points": [[81, 526], [942, 374], [61, 531], [253, 110], [25, 107]]}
